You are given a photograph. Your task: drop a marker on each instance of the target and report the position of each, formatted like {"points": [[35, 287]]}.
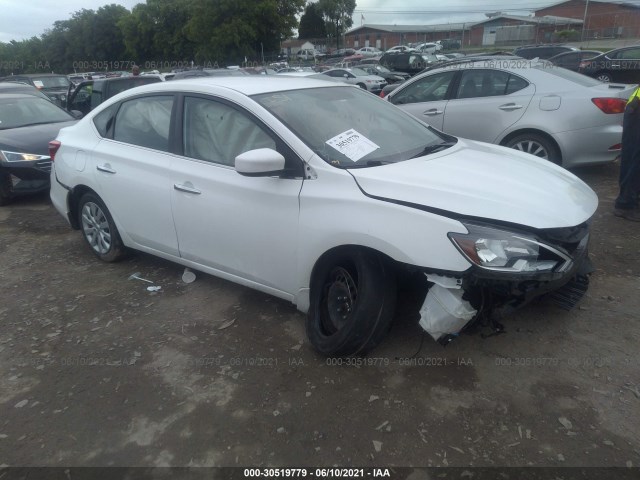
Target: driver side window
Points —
{"points": [[428, 89], [218, 133]]}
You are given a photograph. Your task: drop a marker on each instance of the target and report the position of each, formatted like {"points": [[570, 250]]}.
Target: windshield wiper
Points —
{"points": [[370, 163], [434, 148]]}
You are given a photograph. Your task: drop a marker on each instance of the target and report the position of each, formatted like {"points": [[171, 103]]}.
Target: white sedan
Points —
{"points": [[359, 77], [369, 52], [322, 195]]}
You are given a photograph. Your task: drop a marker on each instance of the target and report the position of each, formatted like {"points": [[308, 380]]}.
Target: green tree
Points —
{"points": [[230, 30], [312, 23], [338, 15]]}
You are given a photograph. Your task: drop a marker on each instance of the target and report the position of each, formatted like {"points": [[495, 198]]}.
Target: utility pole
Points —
{"points": [[584, 19]]}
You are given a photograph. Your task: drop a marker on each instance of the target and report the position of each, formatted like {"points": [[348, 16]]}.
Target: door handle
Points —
{"points": [[186, 188], [105, 168], [510, 106], [433, 111]]}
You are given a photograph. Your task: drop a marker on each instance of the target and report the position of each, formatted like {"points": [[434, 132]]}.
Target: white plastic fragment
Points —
{"points": [[444, 312], [155, 288], [377, 445], [446, 282], [188, 276]]}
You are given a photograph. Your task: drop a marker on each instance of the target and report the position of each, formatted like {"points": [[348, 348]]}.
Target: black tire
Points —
{"points": [[98, 229], [604, 77], [362, 85], [6, 187], [353, 297], [536, 145]]}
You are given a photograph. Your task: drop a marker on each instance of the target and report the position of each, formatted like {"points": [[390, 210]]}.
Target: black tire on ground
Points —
{"points": [[353, 296], [536, 145], [362, 85], [99, 230], [5, 188]]}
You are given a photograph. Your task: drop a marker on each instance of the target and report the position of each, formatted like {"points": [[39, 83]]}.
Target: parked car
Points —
{"points": [[53, 86], [553, 113], [359, 77], [384, 72], [309, 54], [22, 88], [429, 47], [450, 44], [27, 124], [369, 52], [618, 65], [401, 48], [411, 63], [322, 195], [543, 51], [341, 52], [572, 60], [89, 94]]}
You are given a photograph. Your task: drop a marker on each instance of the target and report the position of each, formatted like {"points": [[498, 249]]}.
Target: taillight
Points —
{"points": [[610, 105], [54, 145], [584, 64], [382, 94]]}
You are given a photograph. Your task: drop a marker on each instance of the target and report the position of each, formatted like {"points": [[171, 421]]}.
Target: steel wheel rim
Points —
{"points": [[532, 147], [95, 227], [603, 78], [341, 295]]}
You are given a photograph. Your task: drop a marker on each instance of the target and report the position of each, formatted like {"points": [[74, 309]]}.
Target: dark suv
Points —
{"points": [[89, 94], [619, 65], [542, 51], [411, 63], [53, 86]]}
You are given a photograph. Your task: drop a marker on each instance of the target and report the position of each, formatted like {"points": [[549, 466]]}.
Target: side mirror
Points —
{"points": [[262, 162], [77, 114], [346, 76]]}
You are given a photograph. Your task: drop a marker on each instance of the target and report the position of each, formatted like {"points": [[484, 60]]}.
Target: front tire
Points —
{"points": [[99, 229], [353, 296], [537, 145]]}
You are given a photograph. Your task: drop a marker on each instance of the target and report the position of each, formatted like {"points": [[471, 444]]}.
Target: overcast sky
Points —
{"points": [[21, 19]]}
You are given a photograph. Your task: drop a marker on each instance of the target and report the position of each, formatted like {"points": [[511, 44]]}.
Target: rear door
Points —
{"points": [[426, 98], [133, 171], [486, 102]]}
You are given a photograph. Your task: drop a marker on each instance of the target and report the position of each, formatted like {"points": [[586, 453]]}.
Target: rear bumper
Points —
{"points": [[589, 146]]}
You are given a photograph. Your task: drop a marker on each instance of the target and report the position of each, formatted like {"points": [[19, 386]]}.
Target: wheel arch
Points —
{"points": [[534, 131], [73, 199], [340, 250]]}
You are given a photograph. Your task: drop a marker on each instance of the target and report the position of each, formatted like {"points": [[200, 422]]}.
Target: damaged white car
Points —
{"points": [[322, 194]]}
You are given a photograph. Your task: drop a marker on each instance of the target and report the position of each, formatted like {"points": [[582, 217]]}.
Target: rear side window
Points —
{"points": [[145, 121], [515, 83], [104, 120]]}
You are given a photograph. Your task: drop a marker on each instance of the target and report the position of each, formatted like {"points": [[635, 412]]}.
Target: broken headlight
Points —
{"points": [[501, 250]]}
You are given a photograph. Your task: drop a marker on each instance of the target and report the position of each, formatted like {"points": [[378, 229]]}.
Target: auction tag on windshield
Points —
{"points": [[352, 144], [38, 83]]}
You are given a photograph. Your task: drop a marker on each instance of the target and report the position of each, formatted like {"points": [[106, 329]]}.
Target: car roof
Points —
{"points": [[16, 96], [247, 85], [38, 75]]}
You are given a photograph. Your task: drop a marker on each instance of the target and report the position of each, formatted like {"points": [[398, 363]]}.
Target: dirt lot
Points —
{"points": [[97, 371]]}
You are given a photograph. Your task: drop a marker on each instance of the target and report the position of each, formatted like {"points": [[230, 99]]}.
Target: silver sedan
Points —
{"points": [[531, 105], [357, 76]]}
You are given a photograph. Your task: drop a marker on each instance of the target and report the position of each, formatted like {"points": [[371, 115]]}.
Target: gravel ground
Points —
{"points": [[97, 371]]}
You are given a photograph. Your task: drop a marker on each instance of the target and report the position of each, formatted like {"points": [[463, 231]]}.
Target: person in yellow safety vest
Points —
{"points": [[626, 205]]}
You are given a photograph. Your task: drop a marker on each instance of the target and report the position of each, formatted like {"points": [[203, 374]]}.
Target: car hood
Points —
{"points": [[474, 179], [33, 139]]}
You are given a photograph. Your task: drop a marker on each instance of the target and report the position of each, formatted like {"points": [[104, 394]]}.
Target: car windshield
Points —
{"points": [[24, 111], [51, 82], [350, 128]]}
